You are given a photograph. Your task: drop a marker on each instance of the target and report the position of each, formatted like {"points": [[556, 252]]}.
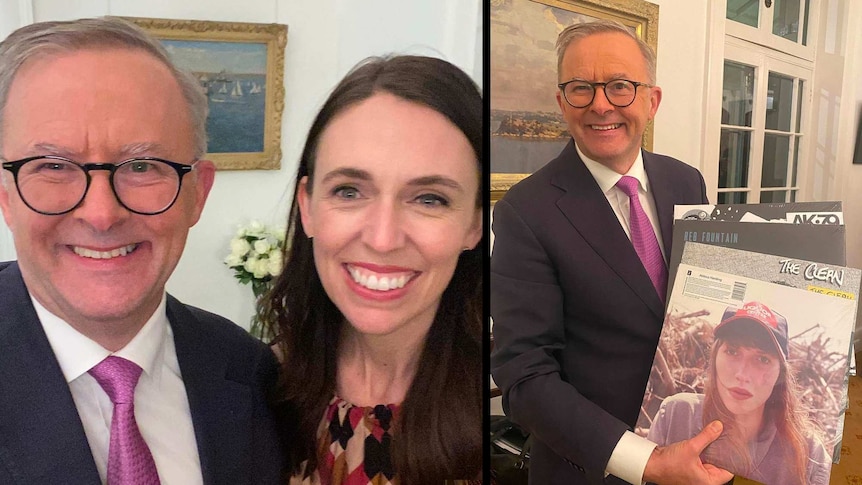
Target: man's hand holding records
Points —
{"points": [[680, 462]]}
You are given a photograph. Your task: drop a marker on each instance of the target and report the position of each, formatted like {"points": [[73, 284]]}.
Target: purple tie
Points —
{"points": [[129, 459], [643, 237]]}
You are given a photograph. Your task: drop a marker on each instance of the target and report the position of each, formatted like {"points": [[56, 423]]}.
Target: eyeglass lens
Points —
{"points": [[55, 186], [619, 93]]}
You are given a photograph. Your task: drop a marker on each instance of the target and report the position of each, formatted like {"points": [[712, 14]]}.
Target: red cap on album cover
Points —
{"points": [[761, 314]]}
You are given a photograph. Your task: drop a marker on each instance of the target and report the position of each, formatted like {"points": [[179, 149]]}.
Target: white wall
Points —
{"points": [[681, 68], [850, 105], [325, 39], [824, 156], [851, 175]]}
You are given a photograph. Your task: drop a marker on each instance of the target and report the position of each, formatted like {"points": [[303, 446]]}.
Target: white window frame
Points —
{"points": [[723, 39], [766, 61], [762, 35]]}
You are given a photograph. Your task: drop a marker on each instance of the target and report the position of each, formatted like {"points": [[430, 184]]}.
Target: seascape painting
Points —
{"points": [[240, 69], [233, 76], [527, 130]]}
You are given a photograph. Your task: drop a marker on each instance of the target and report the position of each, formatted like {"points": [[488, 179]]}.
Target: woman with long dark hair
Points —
{"points": [[378, 311], [751, 389]]}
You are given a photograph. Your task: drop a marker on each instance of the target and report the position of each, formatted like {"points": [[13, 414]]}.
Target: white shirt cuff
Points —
{"points": [[629, 458]]}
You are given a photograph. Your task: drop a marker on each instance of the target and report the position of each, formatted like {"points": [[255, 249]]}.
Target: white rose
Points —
{"points": [[279, 234], [250, 264], [255, 227], [233, 260], [261, 246], [239, 247], [275, 264], [261, 268]]}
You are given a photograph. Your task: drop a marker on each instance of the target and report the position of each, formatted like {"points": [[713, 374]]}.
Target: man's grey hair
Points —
{"points": [[50, 38], [576, 32]]}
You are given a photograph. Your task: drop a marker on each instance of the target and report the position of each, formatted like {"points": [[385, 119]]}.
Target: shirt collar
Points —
{"points": [[77, 353], [607, 178]]}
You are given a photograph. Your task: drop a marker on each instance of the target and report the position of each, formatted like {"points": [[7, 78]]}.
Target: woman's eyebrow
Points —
{"points": [[436, 180], [349, 172]]}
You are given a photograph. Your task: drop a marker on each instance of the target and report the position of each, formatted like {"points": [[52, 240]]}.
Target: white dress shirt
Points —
{"points": [[161, 405], [607, 180], [630, 456]]}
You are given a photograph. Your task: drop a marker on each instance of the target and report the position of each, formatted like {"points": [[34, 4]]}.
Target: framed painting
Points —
{"points": [[527, 129], [240, 67]]}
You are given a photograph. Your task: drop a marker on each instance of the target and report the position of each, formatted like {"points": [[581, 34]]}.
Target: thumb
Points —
{"points": [[709, 434]]}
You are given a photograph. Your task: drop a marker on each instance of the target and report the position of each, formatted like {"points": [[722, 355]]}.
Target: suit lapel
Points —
{"points": [[588, 210], [221, 408], [42, 439]]}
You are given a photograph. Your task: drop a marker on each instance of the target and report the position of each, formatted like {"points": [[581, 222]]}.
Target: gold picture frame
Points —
{"points": [[241, 68], [523, 73]]}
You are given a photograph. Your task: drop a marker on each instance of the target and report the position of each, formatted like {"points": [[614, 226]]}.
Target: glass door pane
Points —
{"points": [[736, 122], [795, 161], [733, 158], [744, 11], [776, 152], [785, 20], [779, 102], [774, 196], [732, 197], [737, 94]]}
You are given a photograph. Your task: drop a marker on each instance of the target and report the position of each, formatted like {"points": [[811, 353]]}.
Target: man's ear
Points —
{"points": [[6, 184], [204, 173], [654, 101], [304, 199]]}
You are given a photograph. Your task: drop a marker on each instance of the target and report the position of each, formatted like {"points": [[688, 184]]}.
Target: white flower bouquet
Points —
{"points": [[255, 256]]}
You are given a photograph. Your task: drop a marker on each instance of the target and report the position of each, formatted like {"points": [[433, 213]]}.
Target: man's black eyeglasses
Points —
{"points": [[619, 92], [53, 185]]}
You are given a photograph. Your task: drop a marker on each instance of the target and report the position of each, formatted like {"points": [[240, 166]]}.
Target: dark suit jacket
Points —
{"points": [[576, 317], [225, 371]]}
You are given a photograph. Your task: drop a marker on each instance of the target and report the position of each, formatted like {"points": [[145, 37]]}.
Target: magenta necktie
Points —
{"points": [[643, 237], [129, 460]]}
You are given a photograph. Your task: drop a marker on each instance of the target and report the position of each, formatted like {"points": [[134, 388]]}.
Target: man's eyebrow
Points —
{"points": [[142, 149], [126, 151], [43, 148]]}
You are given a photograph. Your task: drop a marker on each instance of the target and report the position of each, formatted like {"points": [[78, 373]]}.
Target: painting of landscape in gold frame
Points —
{"points": [[640, 15], [269, 41]]}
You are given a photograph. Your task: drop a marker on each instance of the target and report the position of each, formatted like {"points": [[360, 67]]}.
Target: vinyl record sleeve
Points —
{"points": [[810, 242], [818, 213], [819, 303]]}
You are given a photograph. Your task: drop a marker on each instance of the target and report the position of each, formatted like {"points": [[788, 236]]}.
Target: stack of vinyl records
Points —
{"points": [[758, 334]]}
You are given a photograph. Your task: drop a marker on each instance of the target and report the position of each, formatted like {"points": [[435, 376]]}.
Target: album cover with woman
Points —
{"points": [[759, 342]]}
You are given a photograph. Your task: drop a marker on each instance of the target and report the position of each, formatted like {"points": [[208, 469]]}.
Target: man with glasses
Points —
{"points": [[104, 378], [578, 275]]}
